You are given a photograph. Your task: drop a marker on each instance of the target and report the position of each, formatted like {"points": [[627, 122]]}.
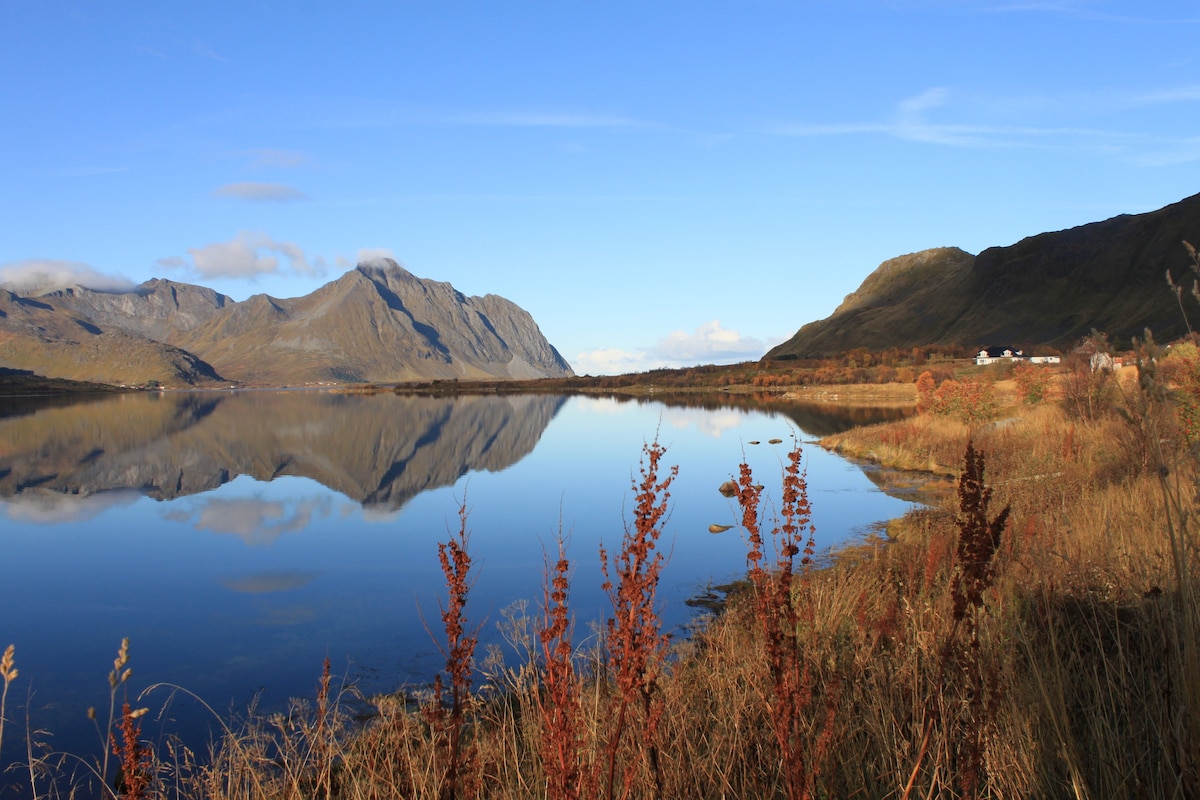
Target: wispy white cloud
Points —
{"points": [[708, 344], [1182, 151], [373, 255], [570, 120], [47, 274], [247, 255], [368, 113], [923, 118], [203, 50], [610, 361], [260, 192]]}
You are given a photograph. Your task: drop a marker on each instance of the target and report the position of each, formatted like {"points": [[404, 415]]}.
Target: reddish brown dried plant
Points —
{"points": [[978, 540], [559, 703], [135, 759], [635, 644], [447, 713], [779, 619]]}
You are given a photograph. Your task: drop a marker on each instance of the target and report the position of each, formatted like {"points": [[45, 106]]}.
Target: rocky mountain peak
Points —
{"points": [[377, 323]]}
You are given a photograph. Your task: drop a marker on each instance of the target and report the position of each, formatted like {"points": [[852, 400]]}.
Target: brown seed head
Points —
{"points": [[7, 669]]}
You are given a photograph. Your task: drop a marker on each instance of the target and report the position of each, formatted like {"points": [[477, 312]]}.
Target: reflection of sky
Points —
{"points": [[280, 581], [710, 423], [47, 508], [225, 619], [255, 520]]}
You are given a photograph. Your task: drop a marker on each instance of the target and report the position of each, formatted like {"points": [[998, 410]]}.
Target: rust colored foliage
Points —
{"points": [[447, 713], [135, 759], [633, 637], [1033, 383], [776, 611], [978, 538], [965, 725], [560, 710], [925, 388]]}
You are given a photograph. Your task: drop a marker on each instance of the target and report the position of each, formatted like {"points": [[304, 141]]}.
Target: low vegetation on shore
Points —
{"points": [[1035, 634]]}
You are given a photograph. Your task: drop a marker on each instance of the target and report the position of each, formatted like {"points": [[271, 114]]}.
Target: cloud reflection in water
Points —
{"points": [[45, 508], [266, 582], [254, 520]]}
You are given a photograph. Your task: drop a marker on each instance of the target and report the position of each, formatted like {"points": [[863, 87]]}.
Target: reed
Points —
{"points": [[8, 673]]}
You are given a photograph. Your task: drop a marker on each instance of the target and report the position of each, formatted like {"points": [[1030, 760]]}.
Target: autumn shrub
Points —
{"points": [[1183, 369], [971, 401], [1087, 385], [926, 385], [1033, 382]]}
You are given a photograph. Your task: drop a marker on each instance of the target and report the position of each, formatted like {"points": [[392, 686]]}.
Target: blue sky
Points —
{"points": [[658, 183]]}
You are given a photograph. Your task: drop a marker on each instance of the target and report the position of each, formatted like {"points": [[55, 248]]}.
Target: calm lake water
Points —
{"points": [[239, 538]]}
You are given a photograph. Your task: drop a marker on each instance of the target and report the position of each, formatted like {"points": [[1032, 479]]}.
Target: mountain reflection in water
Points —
{"points": [[238, 538], [379, 451]]}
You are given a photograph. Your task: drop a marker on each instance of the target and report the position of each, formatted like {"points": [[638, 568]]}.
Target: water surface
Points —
{"points": [[239, 538]]}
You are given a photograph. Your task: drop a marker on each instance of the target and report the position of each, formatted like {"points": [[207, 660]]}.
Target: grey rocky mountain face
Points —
{"points": [[377, 323]]}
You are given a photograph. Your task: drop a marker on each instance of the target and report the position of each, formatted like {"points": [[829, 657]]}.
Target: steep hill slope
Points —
{"points": [[56, 343], [1049, 289]]}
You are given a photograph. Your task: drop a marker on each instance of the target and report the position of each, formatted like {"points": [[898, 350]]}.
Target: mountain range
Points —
{"points": [[1048, 290], [377, 323]]}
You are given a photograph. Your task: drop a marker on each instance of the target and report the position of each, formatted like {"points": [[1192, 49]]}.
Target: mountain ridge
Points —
{"points": [[1048, 290], [376, 323]]}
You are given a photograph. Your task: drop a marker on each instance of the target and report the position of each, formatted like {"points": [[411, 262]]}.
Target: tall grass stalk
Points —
{"points": [[8, 673], [1146, 412], [117, 678]]}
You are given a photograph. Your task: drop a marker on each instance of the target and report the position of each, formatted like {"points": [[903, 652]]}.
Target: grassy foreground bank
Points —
{"points": [[1050, 650]]}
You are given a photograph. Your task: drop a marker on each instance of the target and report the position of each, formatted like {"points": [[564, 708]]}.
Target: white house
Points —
{"points": [[994, 355]]}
